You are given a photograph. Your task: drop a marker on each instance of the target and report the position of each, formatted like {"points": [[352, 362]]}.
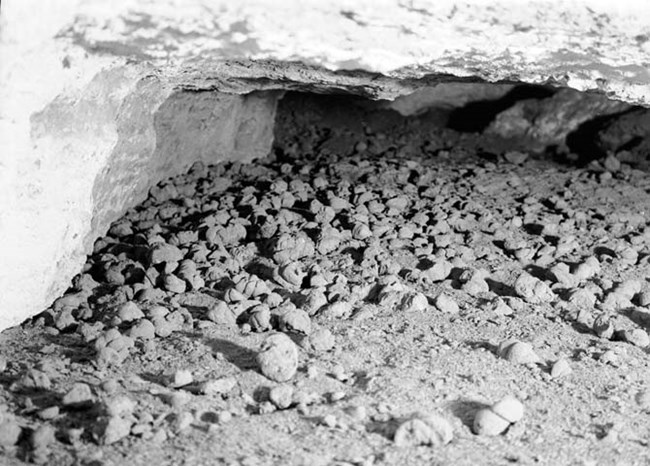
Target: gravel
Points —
{"points": [[392, 269]]}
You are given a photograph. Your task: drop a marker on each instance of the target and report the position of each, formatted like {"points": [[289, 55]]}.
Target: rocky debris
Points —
{"points": [[181, 378], [40, 440], [10, 430], [112, 429], [281, 396], [320, 340], [119, 406], [79, 396], [410, 253], [532, 290], [34, 379], [518, 352], [560, 368], [495, 419], [424, 429], [445, 303], [218, 386], [637, 337], [295, 321]]}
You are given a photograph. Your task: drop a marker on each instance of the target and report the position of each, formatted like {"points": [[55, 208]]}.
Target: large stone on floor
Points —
{"points": [[99, 100]]}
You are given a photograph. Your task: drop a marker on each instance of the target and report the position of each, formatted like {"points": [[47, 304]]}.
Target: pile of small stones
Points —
{"points": [[279, 249]]}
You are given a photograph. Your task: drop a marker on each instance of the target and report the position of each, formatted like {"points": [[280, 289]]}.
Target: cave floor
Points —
{"points": [[396, 273]]}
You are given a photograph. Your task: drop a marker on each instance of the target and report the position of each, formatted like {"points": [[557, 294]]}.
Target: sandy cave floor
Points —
{"points": [[396, 269]]}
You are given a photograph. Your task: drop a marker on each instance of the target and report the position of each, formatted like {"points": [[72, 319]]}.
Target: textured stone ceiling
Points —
{"points": [[599, 45]]}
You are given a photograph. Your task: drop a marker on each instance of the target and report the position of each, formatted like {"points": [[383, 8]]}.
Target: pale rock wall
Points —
{"points": [[98, 99]]}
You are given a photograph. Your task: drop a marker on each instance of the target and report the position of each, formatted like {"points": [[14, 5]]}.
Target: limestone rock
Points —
{"points": [[93, 94]]}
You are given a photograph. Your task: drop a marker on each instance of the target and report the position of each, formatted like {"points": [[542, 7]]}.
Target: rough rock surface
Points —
{"points": [[385, 377], [93, 110]]}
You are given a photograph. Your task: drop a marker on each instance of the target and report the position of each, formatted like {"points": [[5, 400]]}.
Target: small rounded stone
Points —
{"points": [[424, 430], [129, 311], [278, 358], [509, 408], [143, 329], [533, 290], [321, 340], [222, 315], [487, 422], [446, 304], [560, 368], [637, 337], [281, 396], [518, 352], [643, 399], [9, 432], [42, 437], [295, 321], [260, 318]]}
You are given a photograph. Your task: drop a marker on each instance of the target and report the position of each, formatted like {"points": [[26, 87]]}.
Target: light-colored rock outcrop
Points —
{"points": [[98, 100]]}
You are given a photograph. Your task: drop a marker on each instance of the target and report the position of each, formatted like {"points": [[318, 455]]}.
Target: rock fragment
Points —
{"points": [[295, 321], [10, 430], [181, 378], [518, 352], [439, 271], [281, 396], [637, 337], [320, 340], [496, 419], [163, 252], [560, 368], [533, 290], [78, 397], [112, 429], [445, 303], [278, 358], [220, 386], [129, 311], [40, 440], [221, 314], [424, 429], [35, 379]]}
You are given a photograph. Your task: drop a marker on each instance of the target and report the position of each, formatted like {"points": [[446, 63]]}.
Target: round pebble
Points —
{"points": [[281, 396], [518, 352], [278, 358], [129, 311], [533, 290], [320, 340], [295, 321], [561, 368]]}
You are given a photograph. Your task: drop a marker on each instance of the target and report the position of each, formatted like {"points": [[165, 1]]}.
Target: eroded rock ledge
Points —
{"points": [[99, 102]]}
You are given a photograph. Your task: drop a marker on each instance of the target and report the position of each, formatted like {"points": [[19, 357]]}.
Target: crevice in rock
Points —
{"points": [[477, 116]]}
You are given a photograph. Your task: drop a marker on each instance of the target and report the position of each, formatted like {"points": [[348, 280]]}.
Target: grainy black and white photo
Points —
{"points": [[324, 233]]}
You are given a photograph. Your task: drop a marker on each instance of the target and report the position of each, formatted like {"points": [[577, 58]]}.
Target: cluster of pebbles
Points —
{"points": [[273, 262]]}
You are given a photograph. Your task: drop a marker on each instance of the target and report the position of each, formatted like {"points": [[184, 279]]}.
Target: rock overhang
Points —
{"points": [[100, 101]]}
